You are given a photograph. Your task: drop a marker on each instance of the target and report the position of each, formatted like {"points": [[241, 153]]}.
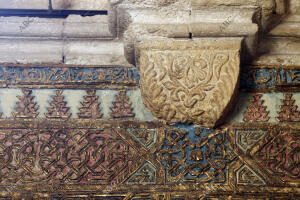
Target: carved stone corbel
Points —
{"points": [[188, 54], [189, 81]]}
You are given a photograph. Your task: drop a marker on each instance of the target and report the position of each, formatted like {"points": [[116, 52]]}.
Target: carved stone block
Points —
{"points": [[189, 81]]}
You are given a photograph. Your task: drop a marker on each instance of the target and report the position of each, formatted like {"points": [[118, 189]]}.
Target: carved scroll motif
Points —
{"points": [[189, 81]]}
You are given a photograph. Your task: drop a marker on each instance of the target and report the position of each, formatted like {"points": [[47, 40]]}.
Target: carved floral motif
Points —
{"points": [[188, 81]]}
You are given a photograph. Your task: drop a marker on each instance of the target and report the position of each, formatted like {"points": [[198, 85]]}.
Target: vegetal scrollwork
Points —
{"points": [[181, 85]]}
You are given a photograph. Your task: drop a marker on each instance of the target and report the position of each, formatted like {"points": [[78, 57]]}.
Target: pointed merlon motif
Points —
{"points": [[58, 108], [288, 111], [122, 106], [26, 107], [256, 112], [90, 106]]}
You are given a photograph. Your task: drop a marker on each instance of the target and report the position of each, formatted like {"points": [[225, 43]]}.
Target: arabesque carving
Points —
{"points": [[189, 80]]}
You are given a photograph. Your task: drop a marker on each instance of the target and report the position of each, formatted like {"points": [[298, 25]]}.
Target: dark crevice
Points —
{"points": [[190, 35], [49, 13], [50, 6]]}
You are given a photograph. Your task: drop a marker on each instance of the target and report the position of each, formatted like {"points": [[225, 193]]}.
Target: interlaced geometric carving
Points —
{"points": [[280, 156], [110, 159], [199, 155], [18, 153], [63, 155]]}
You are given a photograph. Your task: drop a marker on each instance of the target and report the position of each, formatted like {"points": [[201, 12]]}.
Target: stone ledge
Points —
{"points": [[290, 27], [90, 27], [279, 51], [31, 50], [21, 4], [136, 24], [56, 51], [94, 52]]}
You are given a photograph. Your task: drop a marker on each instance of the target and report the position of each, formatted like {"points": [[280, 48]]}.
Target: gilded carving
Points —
{"points": [[70, 156], [26, 107], [272, 153], [268, 78], [189, 81], [279, 156], [256, 112], [123, 158], [246, 176], [58, 108], [288, 111], [122, 106], [145, 175], [66, 76], [117, 159], [197, 155], [245, 139], [90, 106]]}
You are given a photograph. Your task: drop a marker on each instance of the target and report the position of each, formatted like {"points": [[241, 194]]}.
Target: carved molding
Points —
{"points": [[189, 81]]}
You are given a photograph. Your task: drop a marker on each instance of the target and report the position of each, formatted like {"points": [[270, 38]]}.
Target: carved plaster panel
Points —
{"points": [[82, 132], [189, 80]]}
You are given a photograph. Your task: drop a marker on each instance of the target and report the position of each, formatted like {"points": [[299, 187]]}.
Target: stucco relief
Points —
{"points": [[189, 81]]}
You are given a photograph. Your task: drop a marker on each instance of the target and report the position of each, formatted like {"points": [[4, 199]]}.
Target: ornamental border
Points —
{"points": [[64, 76]]}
